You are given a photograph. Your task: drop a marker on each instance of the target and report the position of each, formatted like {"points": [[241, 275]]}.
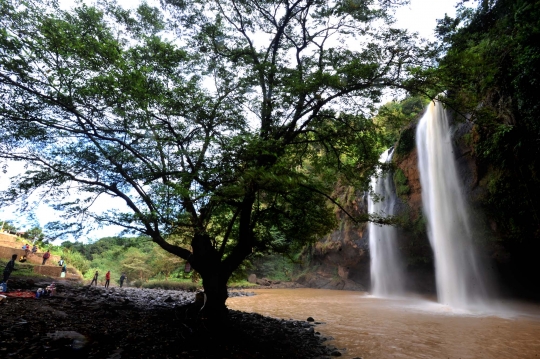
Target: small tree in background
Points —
{"points": [[76, 260], [135, 265], [8, 227], [165, 262], [34, 234]]}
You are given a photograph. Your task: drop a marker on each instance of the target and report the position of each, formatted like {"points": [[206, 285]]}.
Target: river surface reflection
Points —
{"points": [[372, 327]]}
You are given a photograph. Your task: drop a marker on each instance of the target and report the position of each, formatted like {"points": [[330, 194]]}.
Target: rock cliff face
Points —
{"points": [[341, 259]]}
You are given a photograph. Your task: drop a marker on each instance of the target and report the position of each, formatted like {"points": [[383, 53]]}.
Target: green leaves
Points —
{"points": [[490, 70]]}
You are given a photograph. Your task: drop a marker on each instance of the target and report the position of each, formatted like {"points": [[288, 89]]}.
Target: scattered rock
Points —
{"points": [[117, 354], [264, 282], [78, 340], [59, 313], [252, 278], [310, 319], [239, 293], [144, 323]]}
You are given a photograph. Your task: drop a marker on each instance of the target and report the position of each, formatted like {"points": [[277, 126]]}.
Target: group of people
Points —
{"points": [[123, 277], [48, 291], [10, 266], [27, 252]]}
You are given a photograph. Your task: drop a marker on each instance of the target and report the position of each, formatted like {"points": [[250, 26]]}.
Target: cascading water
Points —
{"points": [[387, 277], [460, 282]]}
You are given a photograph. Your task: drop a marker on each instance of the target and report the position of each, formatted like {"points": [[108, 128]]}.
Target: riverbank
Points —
{"points": [[85, 322]]}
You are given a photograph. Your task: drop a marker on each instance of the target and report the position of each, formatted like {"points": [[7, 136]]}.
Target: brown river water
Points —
{"points": [[370, 327]]}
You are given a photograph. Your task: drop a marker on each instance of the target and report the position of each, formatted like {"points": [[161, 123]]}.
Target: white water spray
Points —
{"points": [[460, 282], [387, 277]]}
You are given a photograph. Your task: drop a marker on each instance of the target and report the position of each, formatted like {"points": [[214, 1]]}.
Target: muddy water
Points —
{"points": [[404, 328]]}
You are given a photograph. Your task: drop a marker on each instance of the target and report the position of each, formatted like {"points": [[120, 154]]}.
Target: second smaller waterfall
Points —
{"points": [[387, 278]]}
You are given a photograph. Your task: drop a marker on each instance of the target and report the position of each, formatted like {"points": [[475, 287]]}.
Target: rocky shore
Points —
{"points": [[83, 322]]}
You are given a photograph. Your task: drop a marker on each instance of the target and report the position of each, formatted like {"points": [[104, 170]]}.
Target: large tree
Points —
{"points": [[224, 124]]}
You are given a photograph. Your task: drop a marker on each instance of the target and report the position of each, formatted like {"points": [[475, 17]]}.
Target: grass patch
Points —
{"points": [[21, 269], [239, 284]]}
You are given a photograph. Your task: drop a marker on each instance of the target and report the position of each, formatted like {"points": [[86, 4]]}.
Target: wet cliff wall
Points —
{"points": [[341, 259]]}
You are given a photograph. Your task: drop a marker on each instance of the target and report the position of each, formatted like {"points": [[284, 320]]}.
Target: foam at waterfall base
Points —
{"points": [[497, 308]]}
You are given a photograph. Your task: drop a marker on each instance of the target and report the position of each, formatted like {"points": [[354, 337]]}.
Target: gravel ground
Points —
{"points": [[82, 322]]}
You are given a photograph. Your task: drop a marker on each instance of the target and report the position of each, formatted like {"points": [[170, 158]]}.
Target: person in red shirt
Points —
{"points": [[107, 279], [45, 257]]}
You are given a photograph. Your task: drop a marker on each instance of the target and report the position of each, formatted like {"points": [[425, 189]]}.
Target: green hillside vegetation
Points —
{"points": [[147, 265], [138, 257]]}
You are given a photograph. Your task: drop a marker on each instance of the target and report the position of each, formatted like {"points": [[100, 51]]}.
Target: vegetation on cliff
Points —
{"points": [[491, 70]]}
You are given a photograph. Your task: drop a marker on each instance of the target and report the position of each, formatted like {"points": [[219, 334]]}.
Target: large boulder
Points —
{"points": [[264, 281]]}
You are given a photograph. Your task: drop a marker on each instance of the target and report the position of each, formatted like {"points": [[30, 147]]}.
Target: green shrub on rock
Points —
{"points": [[406, 142], [401, 183]]}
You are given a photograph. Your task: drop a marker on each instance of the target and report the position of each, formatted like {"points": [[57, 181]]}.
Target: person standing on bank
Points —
{"points": [[46, 256], [107, 279], [94, 279], [10, 267], [122, 279]]}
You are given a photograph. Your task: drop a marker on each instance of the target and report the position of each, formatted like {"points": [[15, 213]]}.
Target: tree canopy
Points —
{"points": [[223, 125]]}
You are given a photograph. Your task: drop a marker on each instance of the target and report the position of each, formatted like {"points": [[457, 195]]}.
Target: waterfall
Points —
{"points": [[387, 277], [460, 282]]}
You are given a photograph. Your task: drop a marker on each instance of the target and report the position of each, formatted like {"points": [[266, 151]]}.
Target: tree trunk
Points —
{"points": [[215, 290], [206, 261]]}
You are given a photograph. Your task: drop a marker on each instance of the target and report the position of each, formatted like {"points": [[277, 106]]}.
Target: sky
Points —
{"points": [[419, 16]]}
